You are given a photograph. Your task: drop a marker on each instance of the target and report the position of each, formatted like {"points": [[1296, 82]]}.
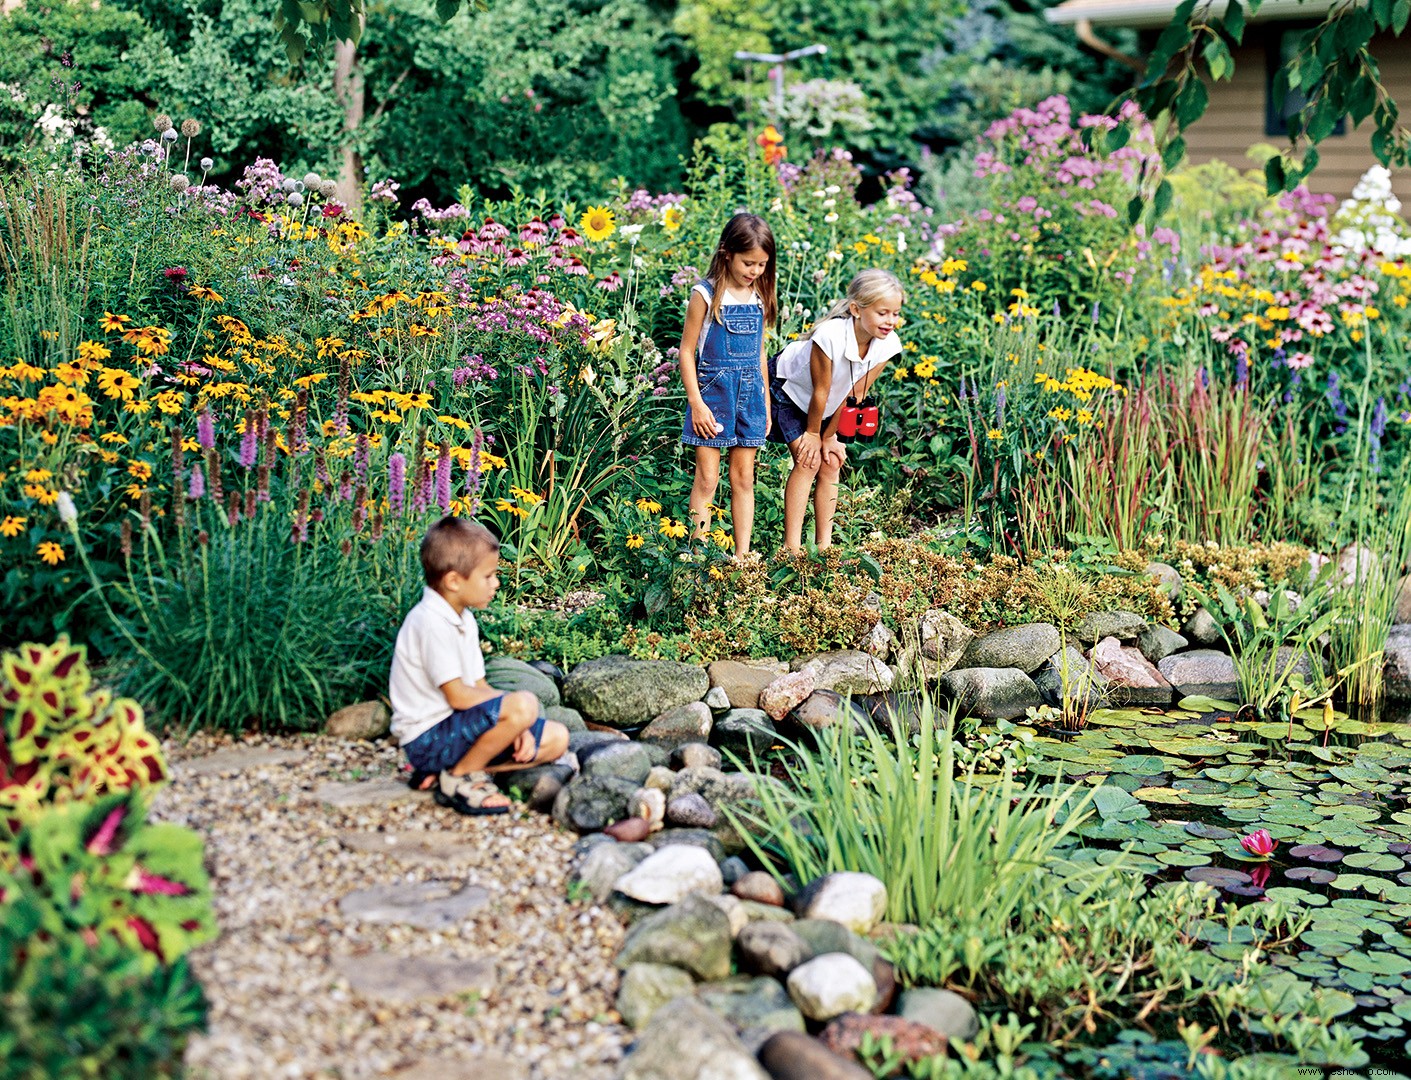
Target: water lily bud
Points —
{"points": [[161, 122], [179, 182], [206, 164], [68, 513], [191, 128], [311, 180], [169, 135], [296, 199]]}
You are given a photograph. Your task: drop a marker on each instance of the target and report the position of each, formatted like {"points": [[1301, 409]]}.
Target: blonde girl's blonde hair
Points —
{"points": [[867, 288]]}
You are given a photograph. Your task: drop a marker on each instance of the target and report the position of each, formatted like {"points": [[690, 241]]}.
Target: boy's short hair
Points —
{"points": [[454, 544]]}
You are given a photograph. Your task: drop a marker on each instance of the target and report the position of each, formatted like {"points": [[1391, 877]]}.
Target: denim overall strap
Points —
{"points": [[736, 338]]}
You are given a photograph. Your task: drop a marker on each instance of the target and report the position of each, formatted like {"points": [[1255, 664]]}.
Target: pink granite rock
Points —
{"points": [[785, 692]]}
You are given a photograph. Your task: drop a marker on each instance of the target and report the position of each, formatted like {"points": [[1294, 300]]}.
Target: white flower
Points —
{"points": [[836, 256], [901, 241], [830, 203], [832, 189], [777, 206], [820, 193], [631, 230], [68, 513], [830, 218]]}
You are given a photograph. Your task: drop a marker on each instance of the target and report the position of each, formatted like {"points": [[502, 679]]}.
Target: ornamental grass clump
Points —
{"points": [[895, 808]]}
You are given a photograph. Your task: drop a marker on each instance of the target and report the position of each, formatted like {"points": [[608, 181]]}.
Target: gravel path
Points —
{"points": [[518, 981]]}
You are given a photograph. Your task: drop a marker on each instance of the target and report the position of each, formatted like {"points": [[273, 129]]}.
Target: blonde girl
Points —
{"points": [[810, 381]]}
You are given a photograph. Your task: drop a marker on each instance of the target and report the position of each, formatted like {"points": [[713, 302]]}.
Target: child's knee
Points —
{"points": [[519, 709], [809, 471]]}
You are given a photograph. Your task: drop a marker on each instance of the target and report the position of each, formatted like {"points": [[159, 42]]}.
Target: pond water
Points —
{"points": [[1180, 787]]}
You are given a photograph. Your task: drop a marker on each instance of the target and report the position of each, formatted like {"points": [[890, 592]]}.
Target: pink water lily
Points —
{"points": [[1259, 842]]}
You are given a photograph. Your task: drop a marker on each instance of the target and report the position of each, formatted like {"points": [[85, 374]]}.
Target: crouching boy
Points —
{"points": [[450, 721]]}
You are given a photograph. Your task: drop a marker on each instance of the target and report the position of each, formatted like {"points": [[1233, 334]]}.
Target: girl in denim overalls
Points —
{"points": [[724, 367]]}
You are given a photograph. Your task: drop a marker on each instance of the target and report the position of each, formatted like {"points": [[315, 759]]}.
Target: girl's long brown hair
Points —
{"points": [[745, 232]]}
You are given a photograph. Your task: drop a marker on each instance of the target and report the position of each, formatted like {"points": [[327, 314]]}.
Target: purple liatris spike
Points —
{"points": [[249, 441], [396, 483], [421, 487], [1379, 418], [206, 430], [196, 486], [999, 407], [362, 454], [1241, 371], [443, 478]]}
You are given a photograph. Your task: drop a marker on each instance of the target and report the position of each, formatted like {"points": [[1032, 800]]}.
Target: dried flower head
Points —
{"points": [[328, 188], [296, 199], [206, 164], [179, 182], [191, 128], [312, 180], [161, 122], [169, 135]]}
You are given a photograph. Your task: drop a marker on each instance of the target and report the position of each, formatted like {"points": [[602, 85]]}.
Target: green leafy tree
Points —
{"points": [[65, 72], [1333, 68]]}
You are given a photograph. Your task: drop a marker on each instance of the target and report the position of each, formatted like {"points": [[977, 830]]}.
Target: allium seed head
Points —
{"points": [[191, 128], [169, 135], [328, 188], [206, 164], [179, 182], [290, 184], [311, 180], [296, 199], [161, 122]]}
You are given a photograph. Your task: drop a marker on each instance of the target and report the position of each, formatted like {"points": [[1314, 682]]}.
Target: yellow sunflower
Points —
{"points": [[597, 223]]}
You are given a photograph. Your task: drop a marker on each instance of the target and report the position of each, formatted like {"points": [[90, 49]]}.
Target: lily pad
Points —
{"points": [[1221, 877], [1370, 860], [1198, 703], [1310, 874], [1317, 853]]}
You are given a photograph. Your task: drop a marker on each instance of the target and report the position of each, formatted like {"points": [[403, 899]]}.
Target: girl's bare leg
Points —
{"points": [[825, 502], [796, 492], [703, 489], [742, 462]]}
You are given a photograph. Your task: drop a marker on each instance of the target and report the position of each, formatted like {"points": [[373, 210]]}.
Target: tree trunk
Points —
{"points": [[348, 87]]}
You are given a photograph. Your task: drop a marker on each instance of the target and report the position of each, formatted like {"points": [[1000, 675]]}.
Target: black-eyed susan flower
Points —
{"points": [[93, 352], [673, 530], [12, 526], [648, 506], [118, 384], [633, 541], [113, 323], [50, 552]]}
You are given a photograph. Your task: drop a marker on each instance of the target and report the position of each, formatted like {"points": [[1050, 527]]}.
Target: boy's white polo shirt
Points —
{"points": [[434, 646], [838, 340]]}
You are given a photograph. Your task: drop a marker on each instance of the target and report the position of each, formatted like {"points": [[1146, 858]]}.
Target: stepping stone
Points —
{"points": [[412, 846], [386, 977], [427, 905], [238, 759], [484, 1066], [350, 793]]}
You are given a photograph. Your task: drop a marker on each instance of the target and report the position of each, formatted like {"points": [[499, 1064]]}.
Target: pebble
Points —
{"points": [[759, 887], [280, 978]]}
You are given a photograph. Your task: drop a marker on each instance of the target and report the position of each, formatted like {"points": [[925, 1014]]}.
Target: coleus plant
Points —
{"points": [[62, 739]]}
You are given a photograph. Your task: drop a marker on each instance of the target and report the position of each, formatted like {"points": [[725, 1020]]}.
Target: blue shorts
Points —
{"points": [[450, 740], [734, 394], [789, 420]]}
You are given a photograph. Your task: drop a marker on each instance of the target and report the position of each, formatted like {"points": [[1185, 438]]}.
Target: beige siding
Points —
{"points": [[1235, 121]]}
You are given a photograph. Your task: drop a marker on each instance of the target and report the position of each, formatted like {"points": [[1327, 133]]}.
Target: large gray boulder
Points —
{"points": [[940, 1010], [686, 1040], [771, 948], [991, 693], [827, 708], [365, 720], [508, 674], [591, 803], [569, 718], [670, 874], [624, 760], [693, 935], [830, 985], [1022, 647], [826, 936], [855, 900], [621, 692], [1202, 672], [599, 870], [745, 733], [1202, 629], [944, 639], [1068, 675], [758, 1007], [1157, 642], [1126, 626], [645, 988], [688, 723]]}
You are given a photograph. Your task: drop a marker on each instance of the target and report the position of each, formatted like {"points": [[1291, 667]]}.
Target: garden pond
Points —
{"points": [[1179, 788]]}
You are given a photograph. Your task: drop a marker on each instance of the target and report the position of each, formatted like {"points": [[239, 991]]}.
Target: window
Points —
{"points": [[1282, 46]]}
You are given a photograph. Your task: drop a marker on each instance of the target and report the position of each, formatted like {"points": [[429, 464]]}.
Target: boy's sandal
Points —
{"points": [[467, 794]]}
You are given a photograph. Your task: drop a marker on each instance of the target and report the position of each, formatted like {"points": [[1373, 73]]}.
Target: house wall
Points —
{"points": [[1234, 120]]}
